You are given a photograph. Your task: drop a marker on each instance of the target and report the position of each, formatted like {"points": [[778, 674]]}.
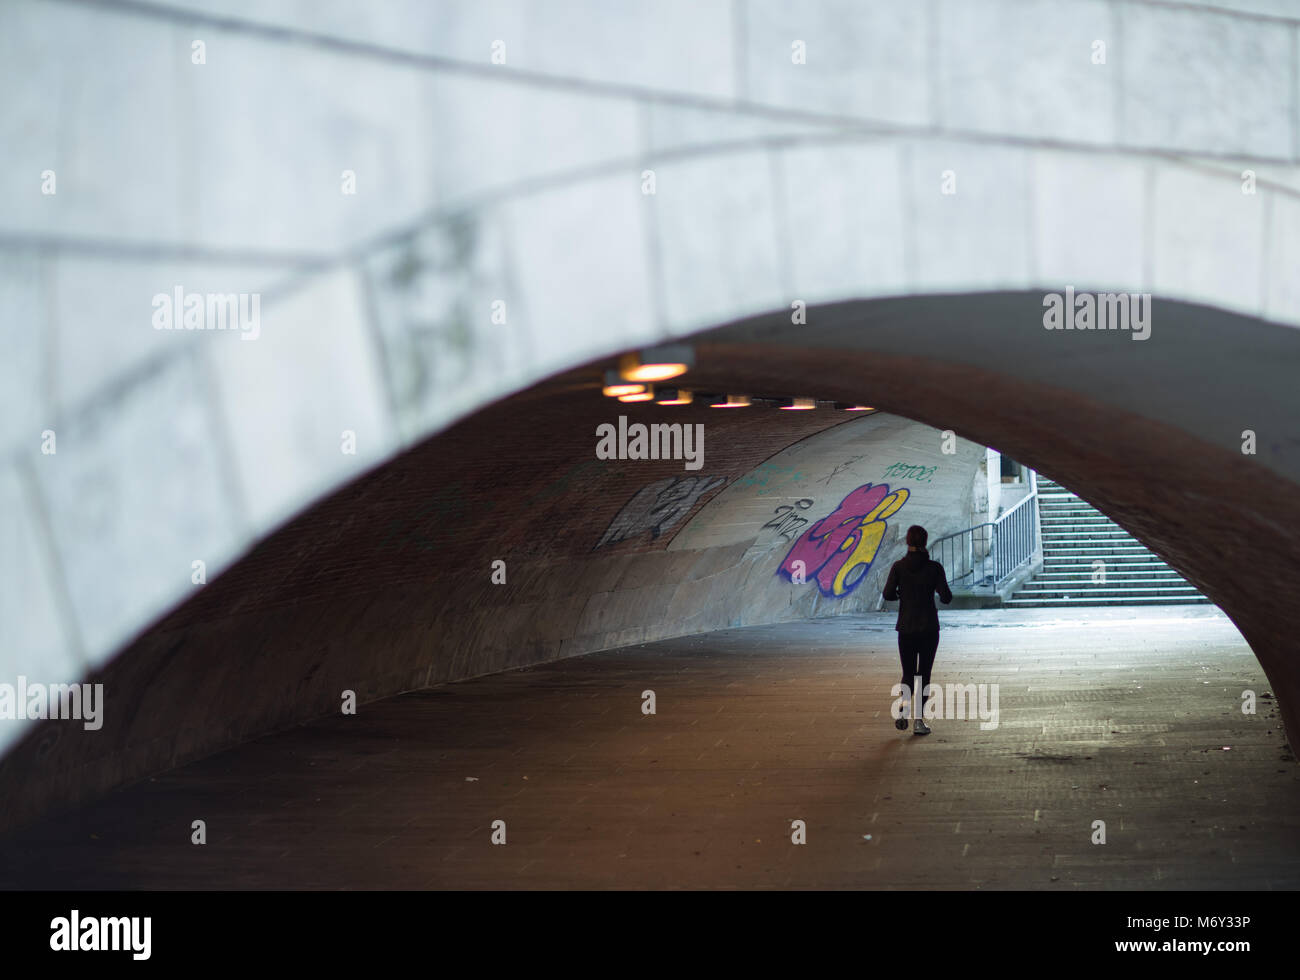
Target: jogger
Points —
{"points": [[913, 581]]}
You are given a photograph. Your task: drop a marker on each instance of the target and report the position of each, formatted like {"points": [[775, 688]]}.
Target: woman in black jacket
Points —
{"points": [[913, 581]]}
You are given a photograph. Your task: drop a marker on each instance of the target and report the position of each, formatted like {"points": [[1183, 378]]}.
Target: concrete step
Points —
{"points": [[1082, 520], [1077, 547], [1112, 574], [1110, 566], [1108, 601], [1050, 523], [1074, 532], [1107, 595], [1066, 541], [1116, 586], [1055, 517], [1084, 566]]}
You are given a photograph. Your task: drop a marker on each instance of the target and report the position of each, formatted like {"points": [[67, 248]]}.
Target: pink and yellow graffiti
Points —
{"points": [[838, 550]]}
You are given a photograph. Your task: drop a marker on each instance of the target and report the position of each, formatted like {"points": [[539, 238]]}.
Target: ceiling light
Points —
{"points": [[616, 387], [734, 401], [797, 404], [640, 396], [657, 363], [674, 396]]}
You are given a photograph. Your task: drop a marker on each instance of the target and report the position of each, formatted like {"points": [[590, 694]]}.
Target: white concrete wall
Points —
{"points": [[993, 475], [523, 182]]}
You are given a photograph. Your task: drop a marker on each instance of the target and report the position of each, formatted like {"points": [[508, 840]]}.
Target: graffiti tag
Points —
{"points": [[841, 468], [787, 522], [921, 474], [837, 551], [657, 506]]}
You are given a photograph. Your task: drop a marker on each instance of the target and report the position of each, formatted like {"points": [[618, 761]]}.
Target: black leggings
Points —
{"points": [[916, 652]]}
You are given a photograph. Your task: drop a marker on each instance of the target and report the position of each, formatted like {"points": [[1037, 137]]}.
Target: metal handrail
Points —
{"points": [[988, 554]]}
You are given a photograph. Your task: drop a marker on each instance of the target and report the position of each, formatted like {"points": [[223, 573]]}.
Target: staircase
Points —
{"points": [[1075, 535]]}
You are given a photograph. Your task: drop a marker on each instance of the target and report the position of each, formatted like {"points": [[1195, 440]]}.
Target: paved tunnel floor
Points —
{"points": [[1132, 717]]}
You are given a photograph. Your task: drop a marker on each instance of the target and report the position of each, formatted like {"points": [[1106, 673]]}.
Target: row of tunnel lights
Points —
{"points": [[635, 378]]}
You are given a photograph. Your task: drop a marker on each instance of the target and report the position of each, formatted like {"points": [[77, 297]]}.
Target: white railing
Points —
{"points": [[986, 555]]}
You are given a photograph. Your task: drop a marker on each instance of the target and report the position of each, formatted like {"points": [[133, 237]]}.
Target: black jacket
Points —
{"points": [[913, 581]]}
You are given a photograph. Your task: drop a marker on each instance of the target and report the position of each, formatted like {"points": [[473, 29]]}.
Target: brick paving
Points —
{"points": [[1129, 716]]}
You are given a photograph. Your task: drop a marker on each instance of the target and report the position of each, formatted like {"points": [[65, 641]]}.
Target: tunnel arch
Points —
{"points": [[350, 594]]}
